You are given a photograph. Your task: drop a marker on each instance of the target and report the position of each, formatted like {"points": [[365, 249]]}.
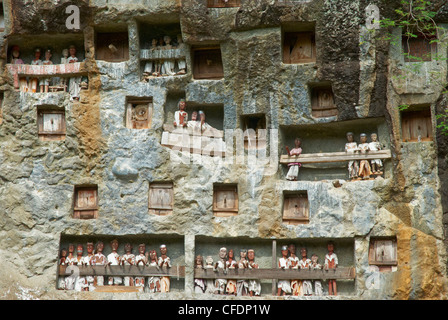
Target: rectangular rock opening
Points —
{"points": [[225, 200], [207, 63], [112, 46], [420, 47], [383, 253], [322, 100], [296, 208], [85, 202], [323, 155], [416, 124], [138, 113], [120, 276], [299, 43], [51, 123], [254, 130], [223, 3], [161, 198]]}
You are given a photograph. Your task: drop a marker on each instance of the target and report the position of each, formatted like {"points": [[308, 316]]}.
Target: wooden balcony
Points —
{"points": [[335, 157], [223, 3]]}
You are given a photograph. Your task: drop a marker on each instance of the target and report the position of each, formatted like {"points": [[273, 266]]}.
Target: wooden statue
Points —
{"points": [[154, 281], [164, 261], [70, 260], [181, 116], [305, 263], [81, 282], [168, 65], [293, 172], [204, 125], [376, 164], [141, 259], [254, 284], [210, 283], [331, 262], [62, 258], [296, 285], [364, 166], [317, 283], [193, 123], [181, 64], [284, 286], [89, 284], [44, 83], [231, 264], [74, 82], [242, 286], [114, 259], [128, 259], [35, 62], [199, 284], [15, 55], [352, 147], [99, 259], [220, 284]]}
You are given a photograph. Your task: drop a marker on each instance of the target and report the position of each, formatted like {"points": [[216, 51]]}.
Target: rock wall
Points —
{"points": [[37, 178]]}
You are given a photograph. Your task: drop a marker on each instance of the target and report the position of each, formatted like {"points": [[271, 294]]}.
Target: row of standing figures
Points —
{"points": [[97, 258], [357, 170], [168, 67], [252, 287], [43, 84]]}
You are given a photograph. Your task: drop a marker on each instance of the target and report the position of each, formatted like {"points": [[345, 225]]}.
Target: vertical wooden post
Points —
{"points": [[274, 265]]}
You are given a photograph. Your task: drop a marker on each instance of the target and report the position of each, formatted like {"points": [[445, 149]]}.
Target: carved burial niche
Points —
{"points": [[322, 101], [295, 207], [51, 123], [254, 129], [225, 200], [138, 113], [299, 47], [161, 198], [419, 48], [223, 3], [86, 202], [112, 46], [383, 253], [207, 63], [416, 124]]}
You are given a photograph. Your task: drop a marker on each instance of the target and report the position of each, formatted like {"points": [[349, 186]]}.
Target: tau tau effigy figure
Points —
{"points": [[210, 283], [114, 260], [364, 165], [70, 260], [293, 172], [154, 281], [181, 64], [74, 82], [35, 62], [254, 284], [141, 259], [305, 263], [284, 286], [181, 116], [99, 259], [164, 261], [128, 259], [374, 145], [199, 284], [331, 262], [351, 147], [44, 83], [80, 283], [220, 284], [317, 283], [89, 285], [62, 258], [293, 260], [15, 55], [231, 264], [168, 65], [242, 286]]}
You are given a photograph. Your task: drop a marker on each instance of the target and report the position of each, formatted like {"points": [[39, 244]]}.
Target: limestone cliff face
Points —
{"points": [[37, 178]]}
